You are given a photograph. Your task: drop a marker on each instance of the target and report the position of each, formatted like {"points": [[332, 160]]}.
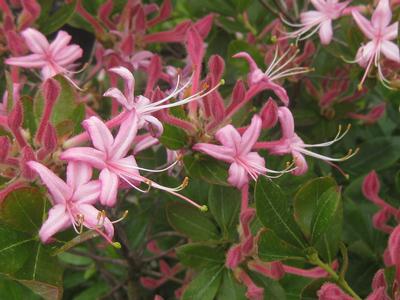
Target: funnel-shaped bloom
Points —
{"points": [[72, 200], [259, 81], [291, 143], [236, 150], [54, 58], [380, 34], [318, 20]]}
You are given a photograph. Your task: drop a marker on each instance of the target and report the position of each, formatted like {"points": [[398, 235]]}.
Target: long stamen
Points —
{"points": [[286, 62], [338, 137], [350, 154], [273, 63], [147, 170]]}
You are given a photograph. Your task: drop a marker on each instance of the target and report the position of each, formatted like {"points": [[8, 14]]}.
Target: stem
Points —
{"points": [[314, 259]]}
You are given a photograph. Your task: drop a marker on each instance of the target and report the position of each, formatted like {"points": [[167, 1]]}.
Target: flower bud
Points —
{"points": [[27, 155], [269, 114], [238, 92], [165, 12], [16, 116], [378, 294], [149, 283], [49, 140], [4, 147], [394, 246], [330, 291], [233, 257], [272, 270], [379, 279], [51, 91], [140, 20], [371, 185], [203, 26], [380, 220]]}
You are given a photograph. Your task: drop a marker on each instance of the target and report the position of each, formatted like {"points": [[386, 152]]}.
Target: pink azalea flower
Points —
{"points": [[380, 34], [54, 58], [259, 80], [330, 291], [318, 20], [236, 150], [110, 156], [291, 143], [73, 201]]}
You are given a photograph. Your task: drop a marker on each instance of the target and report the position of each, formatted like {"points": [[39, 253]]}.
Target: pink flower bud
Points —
{"points": [[51, 91], [27, 155], [4, 147], [140, 20], [165, 12], [379, 279], [216, 65], [154, 71], [371, 185], [195, 47], [164, 268], [380, 220], [330, 291], [238, 92], [49, 140], [16, 116], [269, 114], [378, 294], [158, 297], [394, 246], [104, 13], [272, 270], [149, 283], [245, 219], [253, 292], [234, 257], [247, 245], [203, 26]]}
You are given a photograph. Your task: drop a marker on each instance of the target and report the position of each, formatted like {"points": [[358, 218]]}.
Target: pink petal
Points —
{"points": [[229, 137], [268, 85], [287, 122], [109, 187], [78, 173], [364, 24], [219, 152], [237, 176], [252, 64], [68, 55], [87, 193], [254, 159], [319, 5], [93, 157], [382, 15], [195, 47], [48, 71], [145, 143], [99, 133], [62, 39], [391, 32], [391, 51], [117, 95], [311, 18], [27, 61], [35, 40], [57, 220], [153, 125], [129, 81], [58, 189], [251, 135], [326, 32], [126, 134], [300, 163], [365, 53], [91, 220]]}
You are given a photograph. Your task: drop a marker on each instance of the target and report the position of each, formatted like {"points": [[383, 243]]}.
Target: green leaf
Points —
{"points": [[192, 222], [273, 211], [224, 204], [230, 288], [271, 248], [23, 210], [306, 200], [376, 154], [324, 214], [200, 255], [206, 168], [51, 23], [11, 290], [29, 117], [173, 137], [206, 284]]}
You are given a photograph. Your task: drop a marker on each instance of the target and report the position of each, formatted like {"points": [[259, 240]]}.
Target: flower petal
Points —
{"points": [[326, 32], [92, 156], [58, 189], [237, 176], [286, 121], [251, 135], [300, 163], [68, 55], [391, 51], [382, 15], [229, 137], [57, 220], [153, 125], [78, 173], [109, 187], [62, 39], [35, 40], [126, 134], [145, 143], [90, 219], [27, 61], [88, 192], [311, 17], [100, 135], [391, 32], [364, 24], [268, 85], [117, 95], [129, 81], [219, 152]]}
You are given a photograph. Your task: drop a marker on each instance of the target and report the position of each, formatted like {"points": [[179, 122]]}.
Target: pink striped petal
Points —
{"points": [[27, 61], [153, 125], [287, 122], [78, 173], [68, 55], [219, 152], [35, 40], [364, 24], [87, 193], [91, 220], [252, 64], [57, 220], [129, 82], [126, 134], [300, 162], [326, 32], [58, 189], [251, 135], [229, 137], [237, 176], [391, 51], [117, 95], [109, 187], [382, 15], [100, 135], [62, 39], [93, 157], [391, 32]]}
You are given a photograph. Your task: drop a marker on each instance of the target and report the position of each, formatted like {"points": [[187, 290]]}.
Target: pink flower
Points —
{"points": [[236, 150], [291, 143], [54, 58], [318, 20], [110, 156], [330, 291], [72, 200], [380, 34], [259, 80]]}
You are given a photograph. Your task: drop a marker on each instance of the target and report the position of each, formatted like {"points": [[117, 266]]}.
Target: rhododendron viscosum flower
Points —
{"points": [[236, 150], [259, 80], [380, 34], [109, 155], [73, 201], [54, 58], [291, 143], [318, 20]]}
